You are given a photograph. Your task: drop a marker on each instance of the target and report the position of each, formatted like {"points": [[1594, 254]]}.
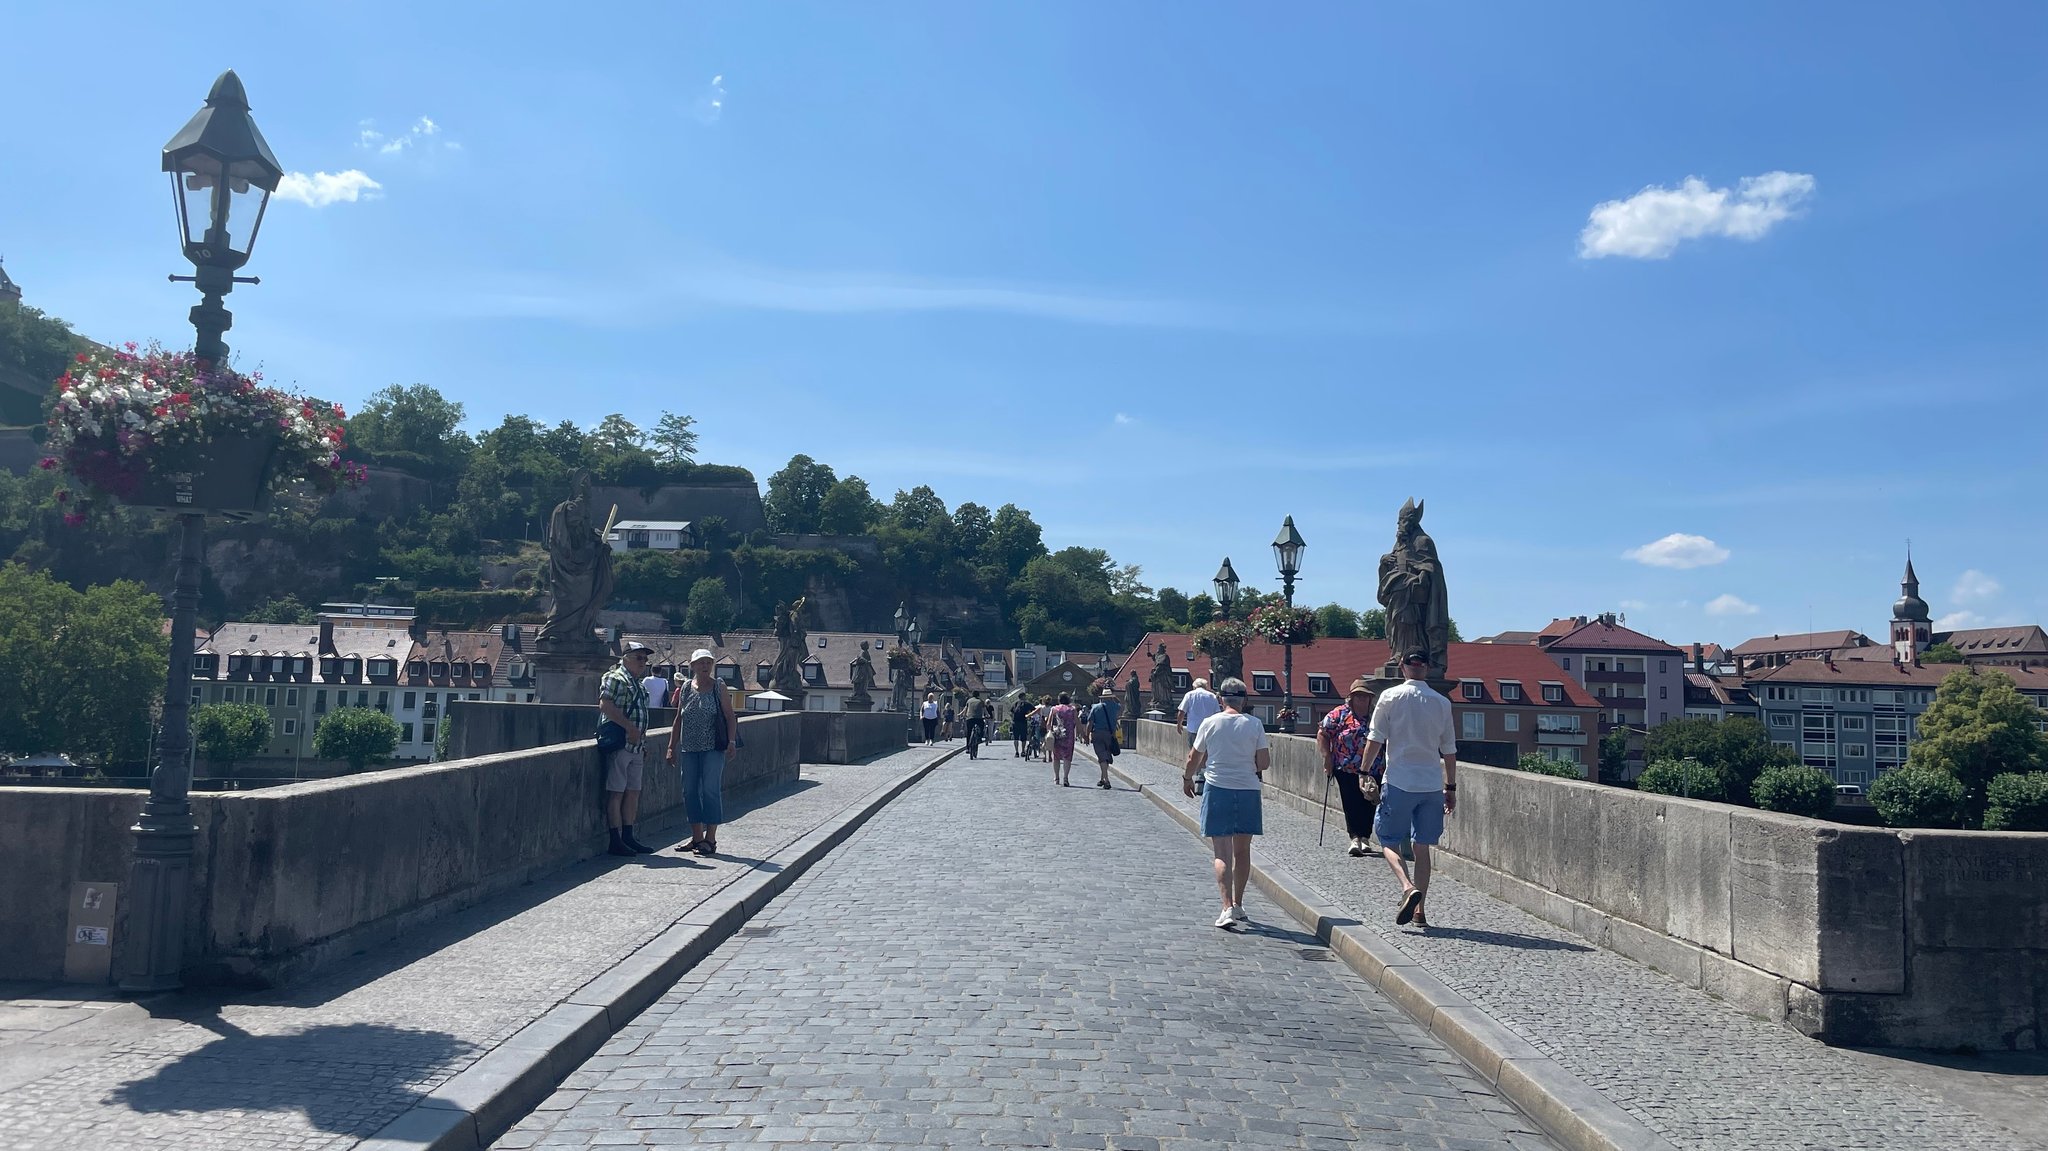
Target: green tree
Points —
{"points": [[973, 526], [1201, 610], [228, 733], [1172, 610], [710, 608], [2018, 802], [412, 420], [1942, 653], [360, 735], [1979, 726], [1739, 747], [1683, 777], [796, 495], [1918, 797], [37, 346], [1614, 755], [1795, 790], [675, 439], [1014, 540], [615, 435], [1372, 623], [33, 610], [848, 509], [1544, 765], [1337, 621], [281, 609]]}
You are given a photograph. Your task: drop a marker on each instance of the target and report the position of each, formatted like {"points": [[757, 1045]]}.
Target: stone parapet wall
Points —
{"points": [[852, 736], [286, 876], [1857, 936]]}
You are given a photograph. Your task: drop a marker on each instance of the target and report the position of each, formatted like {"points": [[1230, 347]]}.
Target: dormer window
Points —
{"points": [[238, 665], [1472, 690], [205, 663], [416, 668], [380, 668], [1553, 693], [329, 667], [277, 665], [458, 670], [300, 664], [480, 671], [1510, 691], [351, 668], [729, 674], [1265, 682], [1319, 684], [438, 669], [814, 672]]}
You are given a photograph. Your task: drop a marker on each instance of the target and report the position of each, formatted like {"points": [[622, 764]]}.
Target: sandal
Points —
{"points": [[1421, 920], [1410, 904], [708, 847]]}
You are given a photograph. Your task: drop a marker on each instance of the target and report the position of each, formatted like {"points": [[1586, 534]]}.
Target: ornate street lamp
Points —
{"points": [[1287, 549], [902, 623], [222, 175], [1226, 588]]}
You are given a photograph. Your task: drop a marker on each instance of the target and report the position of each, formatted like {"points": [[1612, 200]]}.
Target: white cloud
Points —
{"points": [[323, 188], [1726, 604], [711, 105], [1959, 619], [1678, 550], [421, 135], [1974, 586], [1652, 223], [1632, 605], [1123, 418]]}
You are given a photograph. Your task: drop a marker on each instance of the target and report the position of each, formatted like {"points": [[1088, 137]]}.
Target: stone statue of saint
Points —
{"points": [[899, 694], [862, 672], [1412, 590], [579, 574], [789, 660], [1134, 700], [1162, 679]]}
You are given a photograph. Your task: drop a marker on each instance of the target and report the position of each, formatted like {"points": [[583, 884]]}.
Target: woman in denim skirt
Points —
{"points": [[1230, 755]]}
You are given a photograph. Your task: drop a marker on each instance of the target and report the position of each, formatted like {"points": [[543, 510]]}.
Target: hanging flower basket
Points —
{"points": [[1223, 637], [902, 659], [163, 430], [1279, 624]]}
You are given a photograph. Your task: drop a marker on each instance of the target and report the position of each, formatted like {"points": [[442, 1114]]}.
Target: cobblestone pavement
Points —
{"points": [[1699, 1072], [326, 1062], [993, 961]]}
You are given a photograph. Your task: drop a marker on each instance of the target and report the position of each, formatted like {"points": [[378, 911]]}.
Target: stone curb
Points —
{"points": [[1567, 1108], [487, 1098]]}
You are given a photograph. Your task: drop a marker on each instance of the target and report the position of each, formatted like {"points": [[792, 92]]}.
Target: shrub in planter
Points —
{"points": [[1918, 797], [1795, 791], [1544, 765], [1279, 624], [2018, 802], [1688, 778]]}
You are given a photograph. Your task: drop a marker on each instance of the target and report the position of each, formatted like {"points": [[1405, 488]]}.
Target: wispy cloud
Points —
{"points": [[1726, 604], [1974, 586], [1632, 605], [1123, 419], [1678, 550], [423, 134], [319, 189], [1652, 223], [710, 105], [621, 301]]}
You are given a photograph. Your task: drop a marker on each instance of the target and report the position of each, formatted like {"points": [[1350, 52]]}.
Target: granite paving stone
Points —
{"points": [[1696, 1070], [994, 961], [326, 1062]]}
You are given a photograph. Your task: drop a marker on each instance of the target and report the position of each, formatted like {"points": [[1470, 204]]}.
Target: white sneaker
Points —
{"points": [[1225, 921], [1237, 914]]}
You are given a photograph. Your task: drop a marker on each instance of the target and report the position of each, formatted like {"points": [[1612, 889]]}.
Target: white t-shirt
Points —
{"points": [[1229, 742], [931, 709], [1413, 723], [657, 690], [1199, 705]]}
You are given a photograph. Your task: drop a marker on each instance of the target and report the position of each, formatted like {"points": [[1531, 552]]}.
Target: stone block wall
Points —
{"points": [[287, 876], [852, 736]]}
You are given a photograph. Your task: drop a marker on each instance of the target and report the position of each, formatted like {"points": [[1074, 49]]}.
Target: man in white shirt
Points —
{"points": [[1196, 706], [657, 690], [1412, 724]]}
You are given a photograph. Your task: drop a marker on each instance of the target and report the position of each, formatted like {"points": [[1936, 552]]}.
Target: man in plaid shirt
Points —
{"points": [[622, 700]]}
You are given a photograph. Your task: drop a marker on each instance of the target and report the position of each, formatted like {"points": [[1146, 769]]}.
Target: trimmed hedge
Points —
{"points": [[1918, 797], [1795, 791], [2018, 802], [1687, 778], [1544, 765]]}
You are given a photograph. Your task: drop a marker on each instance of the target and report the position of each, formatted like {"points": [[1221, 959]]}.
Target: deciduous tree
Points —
{"points": [[360, 735], [228, 733], [1979, 726], [796, 494]]}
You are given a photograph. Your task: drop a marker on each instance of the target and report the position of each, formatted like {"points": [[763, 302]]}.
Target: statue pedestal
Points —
{"points": [[853, 704], [1387, 678], [570, 676]]}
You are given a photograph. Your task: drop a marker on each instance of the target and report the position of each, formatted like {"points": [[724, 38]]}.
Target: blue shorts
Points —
{"points": [[1232, 811], [1409, 814]]}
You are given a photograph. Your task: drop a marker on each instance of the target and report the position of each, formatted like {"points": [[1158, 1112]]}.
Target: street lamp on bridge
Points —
{"points": [[222, 175], [1226, 589], [1287, 549]]}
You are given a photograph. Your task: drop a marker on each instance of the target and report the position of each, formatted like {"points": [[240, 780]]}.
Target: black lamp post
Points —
{"points": [[1226, 589], [222, 174], [1287, 549]]}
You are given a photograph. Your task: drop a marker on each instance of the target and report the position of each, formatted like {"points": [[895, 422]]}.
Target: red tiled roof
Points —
{"points": [[1599, 635], [1803, 641], [1344, 660], [1872, 673], [1508, 637], [1558, 627], [1983, 640]]}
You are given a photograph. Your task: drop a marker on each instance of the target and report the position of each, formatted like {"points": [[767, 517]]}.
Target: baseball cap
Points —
{"points": [[635, 647], [1416, 657]]}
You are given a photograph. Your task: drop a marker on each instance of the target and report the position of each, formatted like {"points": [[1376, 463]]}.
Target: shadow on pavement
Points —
{"points": [[1501, 939], [347, 1078]]}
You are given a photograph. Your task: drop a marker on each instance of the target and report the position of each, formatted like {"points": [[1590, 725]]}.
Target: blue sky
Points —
{"points": [[1585, 277]]}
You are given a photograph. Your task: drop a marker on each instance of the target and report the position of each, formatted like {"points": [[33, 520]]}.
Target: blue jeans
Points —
{"points": [[703, 785]]}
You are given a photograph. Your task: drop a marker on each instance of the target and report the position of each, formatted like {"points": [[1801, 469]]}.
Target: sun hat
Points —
{"points": [[1359, 685], [702, 653]]}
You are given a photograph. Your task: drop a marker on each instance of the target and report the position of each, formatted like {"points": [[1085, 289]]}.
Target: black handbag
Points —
{"points": [[610, 737], [718, 742]]}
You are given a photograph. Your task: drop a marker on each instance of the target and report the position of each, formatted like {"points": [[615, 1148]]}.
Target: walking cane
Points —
{"points": [[1328, 779]]}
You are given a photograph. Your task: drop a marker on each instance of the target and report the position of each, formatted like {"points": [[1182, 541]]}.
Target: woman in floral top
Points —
{"points": [[1341, 738]]}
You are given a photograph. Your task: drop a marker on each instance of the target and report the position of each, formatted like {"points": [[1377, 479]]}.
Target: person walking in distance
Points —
{"points": [[1411, 722], [1059, 729], [705, 728], [1199, 704], [930, 715], [1102, 718], [621, 700], [1341, 738], [976, 725], [1230, 756], [1020, 734]]}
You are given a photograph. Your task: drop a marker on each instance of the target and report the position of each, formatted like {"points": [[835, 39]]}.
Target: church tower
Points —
{"points": [[1912, 629], [10, 292]]}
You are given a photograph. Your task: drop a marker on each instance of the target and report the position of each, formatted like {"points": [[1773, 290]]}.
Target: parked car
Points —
{"points": [[1849, 791]]}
